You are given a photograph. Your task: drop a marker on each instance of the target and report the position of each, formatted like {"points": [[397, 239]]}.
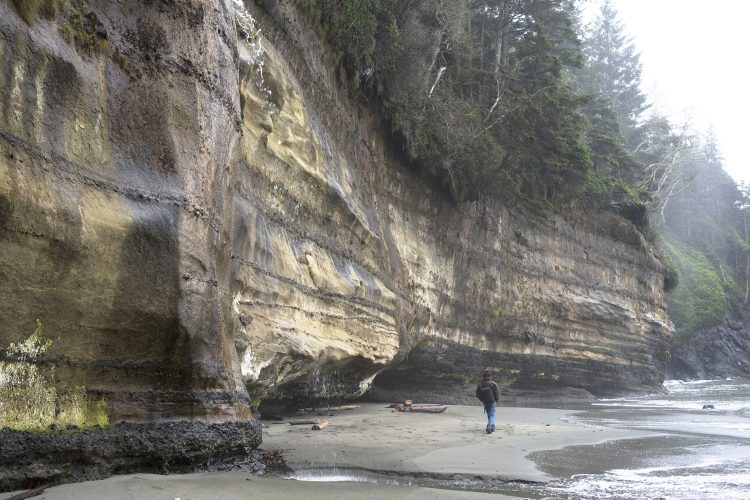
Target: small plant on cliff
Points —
{"points": [[31, 10], [84, 30], [29, 398]]}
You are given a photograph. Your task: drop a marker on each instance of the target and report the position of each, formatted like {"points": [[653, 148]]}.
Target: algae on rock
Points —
{"points": [[29, 400]]}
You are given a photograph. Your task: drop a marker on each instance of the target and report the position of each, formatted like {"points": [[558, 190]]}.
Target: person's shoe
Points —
{"points": [[492, 429], [488, 429]]}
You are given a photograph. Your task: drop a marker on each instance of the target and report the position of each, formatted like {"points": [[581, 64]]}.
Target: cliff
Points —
{"points": [[194, 219], [715, 353], [118, 123], [347, 264]]}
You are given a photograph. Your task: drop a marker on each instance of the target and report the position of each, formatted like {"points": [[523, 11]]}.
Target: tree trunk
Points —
{"points": [[747, 278], [501, 28]]}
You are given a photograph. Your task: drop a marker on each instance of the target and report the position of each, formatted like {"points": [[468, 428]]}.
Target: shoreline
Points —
{"points": [[394, 449]]}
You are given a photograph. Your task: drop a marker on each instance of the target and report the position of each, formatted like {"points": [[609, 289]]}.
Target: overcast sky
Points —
{"points": [[695, 65]]}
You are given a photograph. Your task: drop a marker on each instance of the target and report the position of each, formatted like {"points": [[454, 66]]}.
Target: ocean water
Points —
{"points": [[694, 453]]}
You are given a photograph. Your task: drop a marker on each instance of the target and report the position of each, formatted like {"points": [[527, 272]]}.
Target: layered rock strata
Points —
{"points": [[118, 126], [348, 264]]}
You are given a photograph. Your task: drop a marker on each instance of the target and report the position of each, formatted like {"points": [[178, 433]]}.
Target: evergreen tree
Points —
{"points": [[705, 229], [612, 70]]}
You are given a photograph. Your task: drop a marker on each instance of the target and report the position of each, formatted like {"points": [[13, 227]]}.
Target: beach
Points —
{"points": [[376, 452]]}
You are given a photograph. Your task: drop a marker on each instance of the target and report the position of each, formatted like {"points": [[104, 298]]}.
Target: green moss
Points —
{"points": [[29, 400], [521, 239], [671, 276], [79, 408], [699, 300], [81, 29], [31, 10]]}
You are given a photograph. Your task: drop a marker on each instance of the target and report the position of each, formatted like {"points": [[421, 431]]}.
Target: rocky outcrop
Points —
{"points": [[719, 352], [116, 168]]}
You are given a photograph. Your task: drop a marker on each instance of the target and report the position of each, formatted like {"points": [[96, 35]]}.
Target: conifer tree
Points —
{"points": [[613, 69]]}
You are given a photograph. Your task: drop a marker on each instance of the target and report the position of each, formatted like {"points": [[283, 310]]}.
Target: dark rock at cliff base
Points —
{"points": [[720, 352], [28, 459]]}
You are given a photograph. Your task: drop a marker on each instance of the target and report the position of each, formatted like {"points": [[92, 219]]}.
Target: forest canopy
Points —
{"points": [[522, 100], [493, 97]]}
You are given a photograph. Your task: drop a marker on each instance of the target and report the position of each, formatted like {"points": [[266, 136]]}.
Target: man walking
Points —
{"points": [[488, 393]]}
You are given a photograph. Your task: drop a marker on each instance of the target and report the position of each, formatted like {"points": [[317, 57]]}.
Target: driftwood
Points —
{"points": [[421, 408], [321, 425], [328, 408], [305, 422], [30, 493]]}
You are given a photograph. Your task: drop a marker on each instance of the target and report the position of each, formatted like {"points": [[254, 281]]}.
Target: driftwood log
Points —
{"points": [[321, 425], [328, 408], [29, 493], [305, 422], [421, 408]]}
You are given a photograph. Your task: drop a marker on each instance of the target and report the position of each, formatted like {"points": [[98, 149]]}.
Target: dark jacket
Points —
{"points": [[493, 385]]}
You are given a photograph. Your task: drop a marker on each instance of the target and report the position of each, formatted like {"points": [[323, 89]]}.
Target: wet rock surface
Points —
{"points": [[63, 456], [118, 124], [720, 352]]}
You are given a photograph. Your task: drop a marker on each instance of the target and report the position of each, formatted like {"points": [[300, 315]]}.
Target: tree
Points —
{"points": [[670, 162], [612, 69]]}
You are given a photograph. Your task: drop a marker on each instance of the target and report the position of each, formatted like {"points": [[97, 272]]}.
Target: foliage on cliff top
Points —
{"points": [[479, 93], [710, 217], [699, 300]]}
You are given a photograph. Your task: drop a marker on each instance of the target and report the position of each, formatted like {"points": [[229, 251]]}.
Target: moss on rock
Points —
{"points": [[29, 400]]}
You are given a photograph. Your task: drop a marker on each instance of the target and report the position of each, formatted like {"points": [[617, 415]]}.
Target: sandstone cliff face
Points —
{"points": [[116, 163], [188, 216], [346, 264]]}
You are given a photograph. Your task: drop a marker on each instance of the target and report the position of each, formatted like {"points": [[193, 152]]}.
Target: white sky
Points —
{"points": [[696, 65]]}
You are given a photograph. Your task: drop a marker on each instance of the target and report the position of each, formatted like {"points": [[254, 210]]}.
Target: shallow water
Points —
{"points": [[701, 453]]}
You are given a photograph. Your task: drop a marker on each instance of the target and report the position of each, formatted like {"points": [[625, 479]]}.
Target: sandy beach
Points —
{"points": [[399, 452]]}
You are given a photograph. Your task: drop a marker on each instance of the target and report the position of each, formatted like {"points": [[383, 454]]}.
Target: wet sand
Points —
{"points": [[453, 442], [450, 446]]}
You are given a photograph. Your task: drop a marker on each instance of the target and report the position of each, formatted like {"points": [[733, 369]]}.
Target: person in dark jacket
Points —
{"points": [[489, 393]]}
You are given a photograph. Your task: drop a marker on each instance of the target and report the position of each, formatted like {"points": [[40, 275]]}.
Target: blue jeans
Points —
{"points": [[490, 409]]}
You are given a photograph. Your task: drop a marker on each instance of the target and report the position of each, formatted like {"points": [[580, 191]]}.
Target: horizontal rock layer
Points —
{"points": [[347, 263], [65, 456]]}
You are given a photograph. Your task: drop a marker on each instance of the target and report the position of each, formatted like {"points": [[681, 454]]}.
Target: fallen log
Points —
{"points": [[30, 493], [305, 422], [421, 408], [329, 408], [321, 425]]}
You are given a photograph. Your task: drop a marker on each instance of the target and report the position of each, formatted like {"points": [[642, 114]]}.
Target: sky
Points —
{"points": [[695, 66]]}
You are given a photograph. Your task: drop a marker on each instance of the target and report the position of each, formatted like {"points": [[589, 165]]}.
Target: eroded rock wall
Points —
{"points": [[347, 264], [119, 122]]}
